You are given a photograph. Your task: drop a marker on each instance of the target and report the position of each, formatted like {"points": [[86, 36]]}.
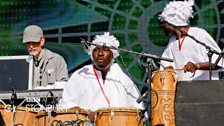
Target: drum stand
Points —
{"points": [[149, 68], [148, 108]]}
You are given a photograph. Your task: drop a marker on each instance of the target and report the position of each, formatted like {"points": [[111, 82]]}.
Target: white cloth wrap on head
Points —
{"points": [[178, 13], [105, 39]]}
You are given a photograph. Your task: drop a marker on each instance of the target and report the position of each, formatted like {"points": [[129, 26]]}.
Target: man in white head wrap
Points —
{"points": [[187, 54], [103, 83]]}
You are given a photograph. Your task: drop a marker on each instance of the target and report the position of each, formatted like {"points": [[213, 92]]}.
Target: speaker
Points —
{"points": [[199, 103]]}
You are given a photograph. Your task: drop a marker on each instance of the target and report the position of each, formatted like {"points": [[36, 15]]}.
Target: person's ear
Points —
{"points": [[42, 41]]}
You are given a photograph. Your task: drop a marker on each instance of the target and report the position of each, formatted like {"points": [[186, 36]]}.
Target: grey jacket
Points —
{"points": [[53, 69]]}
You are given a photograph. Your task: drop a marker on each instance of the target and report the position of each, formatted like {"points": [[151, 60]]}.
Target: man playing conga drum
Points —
{"points": [[186, 52], [188, 57], [103, 83]]}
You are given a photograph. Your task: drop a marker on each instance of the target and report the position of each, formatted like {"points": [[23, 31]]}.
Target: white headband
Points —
{"points": [[105, 39], [177, 13]]}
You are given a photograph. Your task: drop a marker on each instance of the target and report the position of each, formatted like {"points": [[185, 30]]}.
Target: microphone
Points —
{"points": [[144, 92], [84, 45], [183, 33], [29, 58]]}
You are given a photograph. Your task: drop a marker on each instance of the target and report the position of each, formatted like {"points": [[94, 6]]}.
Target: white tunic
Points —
{"points": [[191, 51], [83, 89]]}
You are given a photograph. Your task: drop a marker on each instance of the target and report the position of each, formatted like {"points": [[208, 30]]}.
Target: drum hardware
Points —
{"points": [[64, 117], [36, 100], [2, 102], [13, 97], [89, 123], [12, 103], [77, 114], [149, 68], [77, 122], [16, 116], [148, 109]]}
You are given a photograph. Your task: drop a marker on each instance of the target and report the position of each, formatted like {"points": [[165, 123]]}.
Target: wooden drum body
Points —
{"points": [[23, 116], [119, 117], [162, 98], [62, 117]]}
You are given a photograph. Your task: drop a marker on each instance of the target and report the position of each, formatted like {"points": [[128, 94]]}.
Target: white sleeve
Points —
{"points": [[130, 87], [211, 43], [166, 54], [71, 92], [132, 93]]}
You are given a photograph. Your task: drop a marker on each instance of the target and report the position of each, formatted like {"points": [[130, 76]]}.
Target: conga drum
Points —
{"points": [[22, 116], [162, 97], [118, 117], [62, 117]]}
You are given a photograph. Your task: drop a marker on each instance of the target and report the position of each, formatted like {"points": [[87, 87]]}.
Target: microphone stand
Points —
{"points": [[54, 104], [149, 106], [150, 58], [12, 102], [211, 51], [128, 51]]}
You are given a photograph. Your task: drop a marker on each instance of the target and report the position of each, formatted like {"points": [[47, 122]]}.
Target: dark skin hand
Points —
{"points": [[192, 67]]}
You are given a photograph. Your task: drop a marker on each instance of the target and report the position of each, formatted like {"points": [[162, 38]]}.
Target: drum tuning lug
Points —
{"points": [[49, 116], [53, 113], [77, 114]]}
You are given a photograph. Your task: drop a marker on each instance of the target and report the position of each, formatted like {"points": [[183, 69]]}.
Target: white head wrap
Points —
{"points": [[105, 39], [178, 13]]}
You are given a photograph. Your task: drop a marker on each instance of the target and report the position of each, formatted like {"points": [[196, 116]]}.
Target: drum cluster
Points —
{"points": [[38, 108], [24, 116], [41, 109]]}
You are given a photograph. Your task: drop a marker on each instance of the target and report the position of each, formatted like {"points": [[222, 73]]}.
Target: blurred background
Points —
{"points": [[133, 22]]}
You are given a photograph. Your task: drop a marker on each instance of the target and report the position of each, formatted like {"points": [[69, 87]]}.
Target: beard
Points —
{"points": [[34, 52]]}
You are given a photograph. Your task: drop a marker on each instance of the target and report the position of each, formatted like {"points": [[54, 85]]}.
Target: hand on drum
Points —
{"points": [[91, 116]]}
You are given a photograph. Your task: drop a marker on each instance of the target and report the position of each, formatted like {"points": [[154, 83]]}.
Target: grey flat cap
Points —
{"points": [[32, 33]]}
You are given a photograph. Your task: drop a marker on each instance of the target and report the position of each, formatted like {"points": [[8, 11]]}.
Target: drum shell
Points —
{"points": [[43, 118], [24, 116], [162, 97], [118, 117]]}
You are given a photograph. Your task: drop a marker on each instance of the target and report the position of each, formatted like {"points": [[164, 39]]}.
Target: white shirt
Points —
{"points": [[83, 89], [191, 51]]}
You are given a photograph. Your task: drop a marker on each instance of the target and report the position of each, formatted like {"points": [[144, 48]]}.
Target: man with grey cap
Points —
{"points": [[50, 69]]}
